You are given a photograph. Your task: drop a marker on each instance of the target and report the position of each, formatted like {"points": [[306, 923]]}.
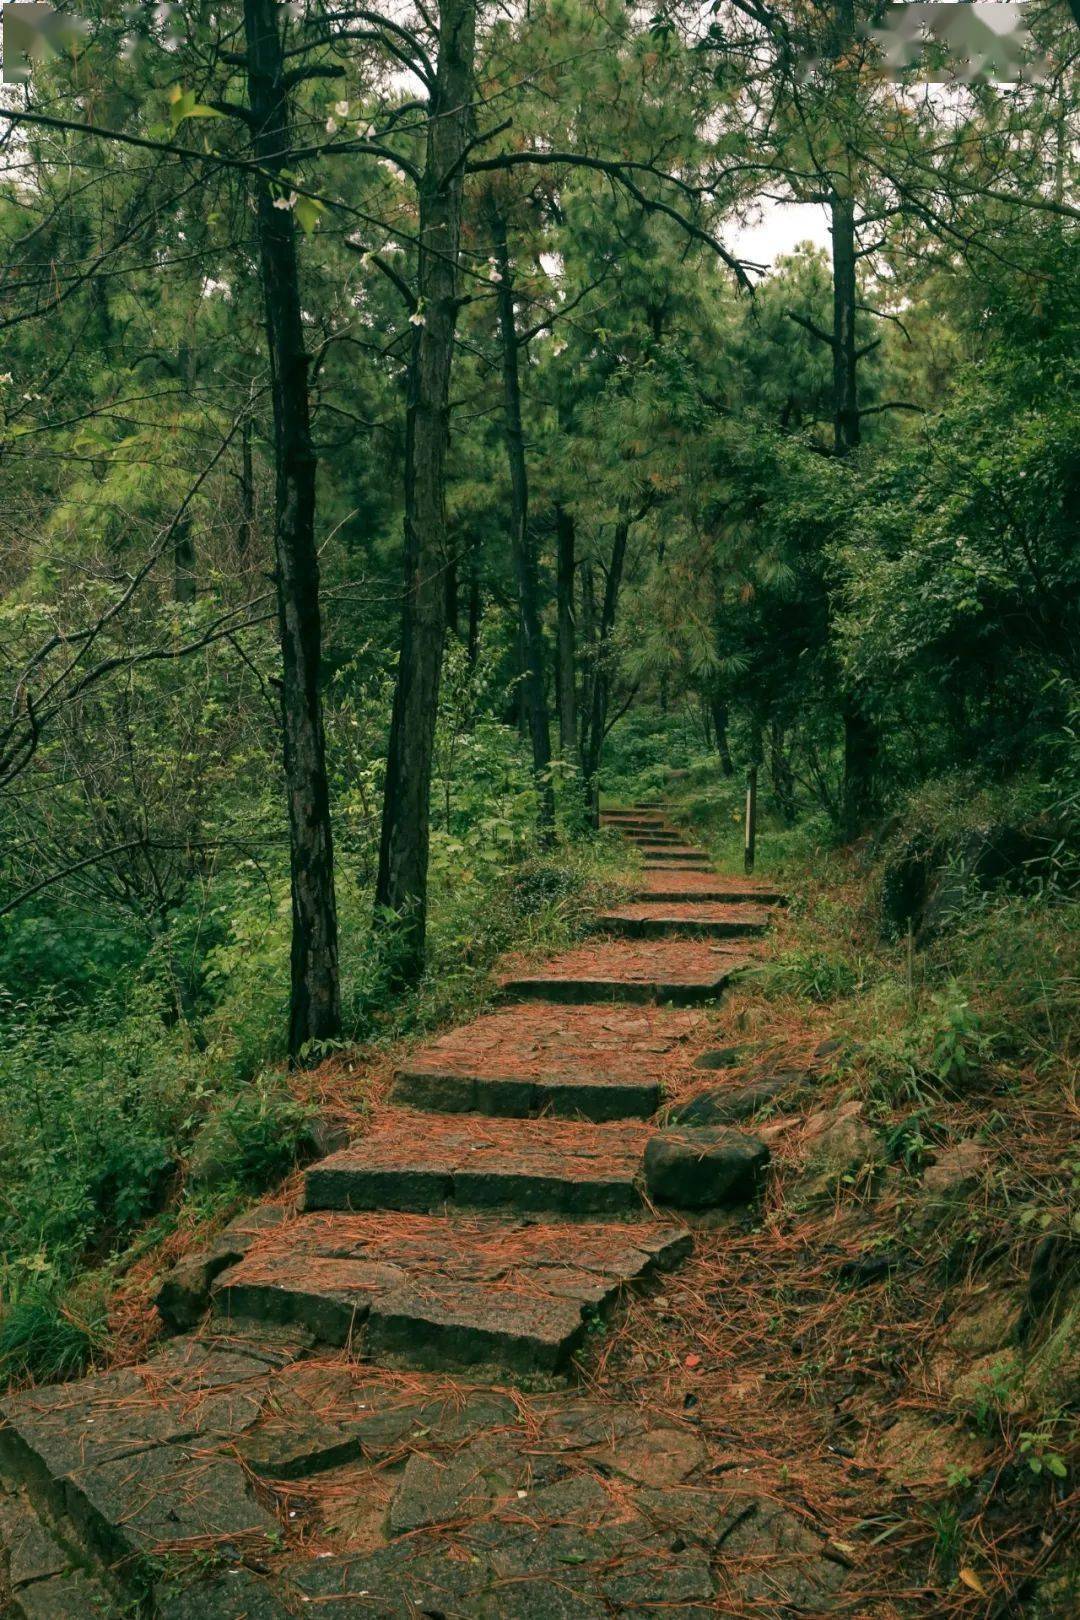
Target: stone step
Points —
{"points": [[632, 818], [432, 1291], [682, 973], [685, 919], [672, 854], [657, 863], [420, 1162], [653, 835], [597, 1063], [659, 884]]}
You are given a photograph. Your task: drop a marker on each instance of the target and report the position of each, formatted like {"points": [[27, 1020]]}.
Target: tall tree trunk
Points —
{"points": [[844, 352], [247, 492], [403, 852], [860, 738], [452, 596], [780, 775], [565, 654], [602, 671], [315, 1002], [473, 643], [526, 572], [718, 710], [184, 584]]}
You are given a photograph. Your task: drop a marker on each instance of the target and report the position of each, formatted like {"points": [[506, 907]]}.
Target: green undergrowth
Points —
{"points": [[138, 1093]]}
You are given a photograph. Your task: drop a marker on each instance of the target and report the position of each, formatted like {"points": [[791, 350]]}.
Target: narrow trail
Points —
{"points": [[380, 1403]]}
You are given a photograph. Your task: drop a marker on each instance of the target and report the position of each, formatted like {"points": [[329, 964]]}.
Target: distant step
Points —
{"points": [[436, 1292], [672, 852], [683, 919], [681, 972], [658, 883], [415, 1161], [586, 1062]]}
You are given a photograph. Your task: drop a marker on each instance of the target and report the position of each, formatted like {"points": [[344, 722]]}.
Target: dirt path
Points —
{"points": [[395, 1403]]}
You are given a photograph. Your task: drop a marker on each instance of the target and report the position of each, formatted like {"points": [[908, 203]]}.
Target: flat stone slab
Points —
{"points": [[599, 1063], [465, 1503], [435, 1291], [133, 1462], [416, 1161], [657, 884], [682, 972], [685, 919]]}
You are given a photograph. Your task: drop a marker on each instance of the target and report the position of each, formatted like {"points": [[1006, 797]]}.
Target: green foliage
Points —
{"points": [[45, 1336]]}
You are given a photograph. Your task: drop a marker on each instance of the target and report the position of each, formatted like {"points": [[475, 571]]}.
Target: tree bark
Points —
{"points": [[718, 710], [247, 493], [526, 573], [315, 1002], [602, 671], [846, 433], [403, 853], [473, 643], [565, 654]]}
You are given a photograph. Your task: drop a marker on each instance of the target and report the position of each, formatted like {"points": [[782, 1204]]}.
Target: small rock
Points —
{"points": [[323, 1136], [726, 1105], [954, 1172], [838, 1143], [702, 1169], [724, 1057]]}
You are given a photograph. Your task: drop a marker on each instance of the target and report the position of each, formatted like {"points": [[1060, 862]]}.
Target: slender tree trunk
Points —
{"points": [[315, 1003], [566, 656], [247, 492], [602, 672], [534, 684], [844, 352], [860, 739], [184, 583], [403, 853], [783, 784], [719, 712], [452, 596], [474, 604]]}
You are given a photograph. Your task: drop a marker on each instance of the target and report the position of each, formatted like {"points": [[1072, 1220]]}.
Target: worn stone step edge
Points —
{"points": [[580, 991], [717, 895], [411, 1324], [343, 1182], [677, 927], [568, 1097]]}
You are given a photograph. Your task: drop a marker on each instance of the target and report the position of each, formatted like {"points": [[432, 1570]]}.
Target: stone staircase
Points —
{"points": [[491, 1215]]}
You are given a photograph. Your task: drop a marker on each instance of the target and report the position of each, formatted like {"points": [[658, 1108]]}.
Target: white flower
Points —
{"points": [[417, 318], [287, 203], [6, 378], [341, 108], [365, 259], [365, 131], [494, 276], [331, 126], [558, 346]]}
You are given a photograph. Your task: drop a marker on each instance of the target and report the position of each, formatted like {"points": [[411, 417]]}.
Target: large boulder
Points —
{"points": [[704, 1169]]}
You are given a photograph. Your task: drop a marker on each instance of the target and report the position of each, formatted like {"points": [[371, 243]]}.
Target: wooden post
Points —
{"points": [[751, 819]]}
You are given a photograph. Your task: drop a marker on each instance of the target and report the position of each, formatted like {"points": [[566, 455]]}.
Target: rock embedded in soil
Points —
{"points": [[954, 1172], [704, 1169], [726, 1105], [837, 1142]]}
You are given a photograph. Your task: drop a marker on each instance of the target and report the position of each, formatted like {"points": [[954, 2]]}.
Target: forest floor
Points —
{"points": [[471, 1363]]}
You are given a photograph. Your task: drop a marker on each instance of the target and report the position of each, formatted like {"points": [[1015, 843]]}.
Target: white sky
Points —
{"points": [[778, 230]]}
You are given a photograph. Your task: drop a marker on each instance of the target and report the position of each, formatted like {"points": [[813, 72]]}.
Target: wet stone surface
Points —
{"points": [[442, 1292]]}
